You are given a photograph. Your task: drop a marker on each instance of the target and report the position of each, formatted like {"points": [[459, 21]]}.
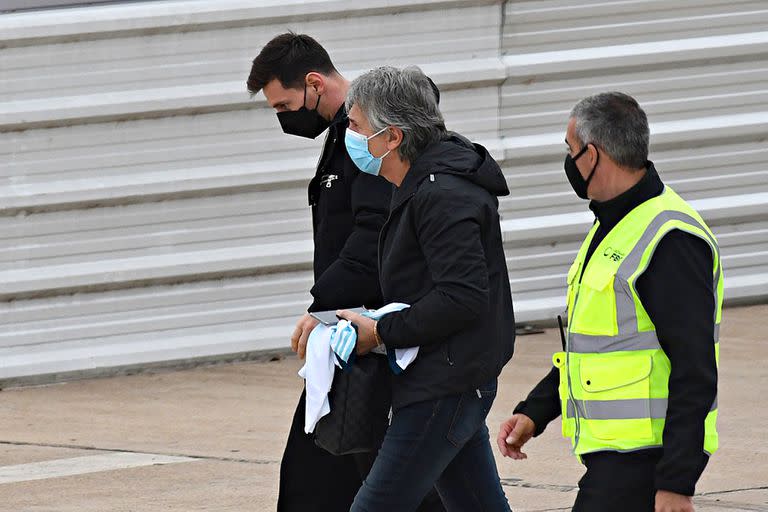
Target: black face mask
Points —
{"points": [[303, 122], [579, 184]]}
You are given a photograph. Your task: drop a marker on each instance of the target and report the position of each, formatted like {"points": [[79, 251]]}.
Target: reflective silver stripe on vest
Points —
{"points": [[620, 409], [625, 304], [588, 344], [628, 409]]}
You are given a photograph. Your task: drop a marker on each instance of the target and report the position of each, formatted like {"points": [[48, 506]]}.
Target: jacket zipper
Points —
{"points": [[386, 224], [568, 365], [328, 179]]}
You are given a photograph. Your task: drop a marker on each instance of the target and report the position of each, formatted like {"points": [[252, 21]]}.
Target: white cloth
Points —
{"points": [[318, 369], [403, 356], [317, 373]]}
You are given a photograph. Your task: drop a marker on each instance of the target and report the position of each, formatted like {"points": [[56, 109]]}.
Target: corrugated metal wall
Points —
{"points": [[151, 211], [700, 70], [25, 5]]}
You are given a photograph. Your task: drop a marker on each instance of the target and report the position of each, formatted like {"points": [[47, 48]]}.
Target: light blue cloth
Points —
{"points": [[344, 340]]}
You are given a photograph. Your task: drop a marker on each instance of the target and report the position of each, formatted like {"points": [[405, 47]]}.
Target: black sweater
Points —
{"points": [[677, 292]]}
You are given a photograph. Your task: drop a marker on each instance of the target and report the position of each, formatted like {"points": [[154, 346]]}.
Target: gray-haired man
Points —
{"points": [[441, 253], [636, 383]]}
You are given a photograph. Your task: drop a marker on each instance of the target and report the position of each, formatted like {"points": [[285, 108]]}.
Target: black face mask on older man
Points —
{"points": [[577, 181]]}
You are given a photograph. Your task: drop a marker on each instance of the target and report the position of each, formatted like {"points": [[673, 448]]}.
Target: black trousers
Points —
{"points": [[313, 480], [618, 482]]}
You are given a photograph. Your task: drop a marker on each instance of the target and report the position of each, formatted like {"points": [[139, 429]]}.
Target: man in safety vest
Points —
{"points": [[636, 382]]}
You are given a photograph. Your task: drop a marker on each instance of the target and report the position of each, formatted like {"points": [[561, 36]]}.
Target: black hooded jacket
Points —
{"points": [[441, 252]]}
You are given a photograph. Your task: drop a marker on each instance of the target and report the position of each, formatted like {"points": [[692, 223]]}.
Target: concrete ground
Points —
{"points": [[210, 438]]}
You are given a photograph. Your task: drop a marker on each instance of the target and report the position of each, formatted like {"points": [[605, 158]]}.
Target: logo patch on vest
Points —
{"points": [[613, 254]]}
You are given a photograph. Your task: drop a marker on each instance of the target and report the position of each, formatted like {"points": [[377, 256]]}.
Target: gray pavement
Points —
{"points": [[210, 438]]}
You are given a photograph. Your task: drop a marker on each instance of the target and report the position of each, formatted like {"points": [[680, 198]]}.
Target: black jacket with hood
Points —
{"points": [[441, 252]]}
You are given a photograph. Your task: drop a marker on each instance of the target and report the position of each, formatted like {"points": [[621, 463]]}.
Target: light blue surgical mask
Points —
{"points": [[357, 148]]}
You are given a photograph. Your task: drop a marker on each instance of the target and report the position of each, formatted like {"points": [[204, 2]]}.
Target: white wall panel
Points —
{"points": [[151, 211], [221, 54], [563, 24]]}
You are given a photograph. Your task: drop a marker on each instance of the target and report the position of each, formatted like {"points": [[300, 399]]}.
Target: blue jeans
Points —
{"points": [[442, 443]]}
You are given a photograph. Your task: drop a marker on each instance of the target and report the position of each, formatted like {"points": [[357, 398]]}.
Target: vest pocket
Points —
{"points": [[616, 372], [615, 396]]}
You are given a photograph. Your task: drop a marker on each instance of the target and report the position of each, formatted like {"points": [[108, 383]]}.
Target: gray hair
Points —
{"points": [[615, 122], [404, 98]]}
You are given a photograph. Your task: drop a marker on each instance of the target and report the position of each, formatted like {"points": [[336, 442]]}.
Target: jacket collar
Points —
{"points": [[340, 117], [610, 212], [418, 172]]}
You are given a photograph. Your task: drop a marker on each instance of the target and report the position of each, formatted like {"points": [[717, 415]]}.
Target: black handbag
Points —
{"points": [[360, 399]]}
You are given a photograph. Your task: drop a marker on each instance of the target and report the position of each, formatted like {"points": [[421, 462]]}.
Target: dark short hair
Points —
{"points": [[288, 58]]}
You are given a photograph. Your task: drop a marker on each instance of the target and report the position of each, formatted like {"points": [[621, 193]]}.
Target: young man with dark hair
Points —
{"points": [[349, 208]]}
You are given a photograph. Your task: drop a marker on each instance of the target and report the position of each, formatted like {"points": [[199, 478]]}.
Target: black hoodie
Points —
{"points": [[441, 252]]}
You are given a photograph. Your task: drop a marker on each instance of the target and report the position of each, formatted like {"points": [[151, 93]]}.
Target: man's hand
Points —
{"points": [[667, 501], [513, 434], [366, 341], [301, 334]]}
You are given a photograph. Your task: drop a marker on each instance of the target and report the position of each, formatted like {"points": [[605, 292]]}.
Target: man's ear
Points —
{"points": [[593, 154], [315, 81], [394, 138]]}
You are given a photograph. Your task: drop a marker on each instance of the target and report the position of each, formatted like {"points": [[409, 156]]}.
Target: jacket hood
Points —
{"points": [[457, 156]]}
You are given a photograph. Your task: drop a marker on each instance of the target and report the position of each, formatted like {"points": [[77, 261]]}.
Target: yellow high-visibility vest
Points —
{"points": [[614, 374]]}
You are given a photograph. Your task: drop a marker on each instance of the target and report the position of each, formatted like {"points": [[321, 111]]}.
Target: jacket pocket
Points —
{"points": [[616, 395], [470, 413], [448, 355]]}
